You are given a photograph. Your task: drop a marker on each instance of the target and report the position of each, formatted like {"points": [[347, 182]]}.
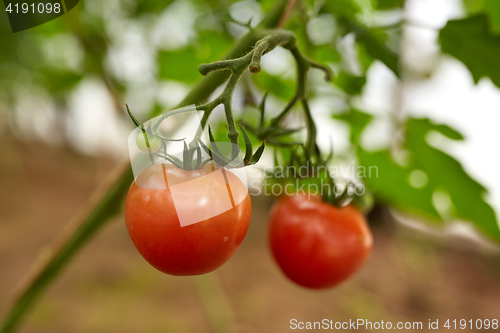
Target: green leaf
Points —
{"points": [[57, 81], [278, 86], [442, 174], [489, 7], [151, 6], [182, 65], [326, 53], [422, 127], [212, 45], [352, 85], [389, 183], [446, 173], [492, 9], [473, 6], [358, 120], [347, 8], [372, 43], [388, 4], [470, 41], [365, 58]]}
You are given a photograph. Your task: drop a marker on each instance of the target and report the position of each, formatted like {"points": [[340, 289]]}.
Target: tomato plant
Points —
{"points": [[316, 244], [150, 211], [152, 217]]}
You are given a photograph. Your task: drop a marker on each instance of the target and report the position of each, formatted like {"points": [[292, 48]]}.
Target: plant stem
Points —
{"points": [[303, 65], [311, 128], [238, 67], [287, 12], [216, 305]]}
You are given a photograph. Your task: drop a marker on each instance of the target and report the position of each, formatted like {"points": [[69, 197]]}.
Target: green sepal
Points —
{"points": [[174, 160], [168, 139], [213, 156], [249, 127], [248, 147], [198, 158], [283, 144], [262, 109], [288, 131], [136, 122], [186, 156], [213, 145], [258, 154]]}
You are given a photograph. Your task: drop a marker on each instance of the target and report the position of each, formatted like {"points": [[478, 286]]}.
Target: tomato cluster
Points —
{"points": [[317, 245]]}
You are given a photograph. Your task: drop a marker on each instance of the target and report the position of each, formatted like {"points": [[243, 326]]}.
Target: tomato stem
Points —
{"points": [[238, 66]]}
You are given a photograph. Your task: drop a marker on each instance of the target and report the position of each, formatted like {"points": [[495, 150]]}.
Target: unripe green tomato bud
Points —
{"points": [[153, 140]]}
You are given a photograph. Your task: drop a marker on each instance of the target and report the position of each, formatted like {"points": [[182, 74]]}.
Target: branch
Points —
{"points": [[280, 37], [237, 68], [252, 61], [303, 65]]}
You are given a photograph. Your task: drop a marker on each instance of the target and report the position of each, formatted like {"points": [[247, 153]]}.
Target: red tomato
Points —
{"points": [[214, 197], [318, 245]]}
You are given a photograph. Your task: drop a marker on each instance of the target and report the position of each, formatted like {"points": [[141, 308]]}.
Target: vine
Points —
{"points": [[271, 133]]}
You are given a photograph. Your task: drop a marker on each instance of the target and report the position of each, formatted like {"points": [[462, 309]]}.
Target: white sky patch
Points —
{"points": [[175, 28], [243, 11], [321, 29], [93, 126], [279, 62]]}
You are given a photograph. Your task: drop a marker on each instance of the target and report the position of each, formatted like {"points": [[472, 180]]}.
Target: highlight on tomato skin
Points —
{"points": [[152, 218], [318, 245]]}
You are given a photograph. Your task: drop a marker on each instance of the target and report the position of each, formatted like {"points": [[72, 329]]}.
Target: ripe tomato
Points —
{"points": [[318, 245], [154, 212]]}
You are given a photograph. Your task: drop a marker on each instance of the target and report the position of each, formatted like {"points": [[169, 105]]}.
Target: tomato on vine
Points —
{"points": [[152, 217], [152, 214], [318, 245]]}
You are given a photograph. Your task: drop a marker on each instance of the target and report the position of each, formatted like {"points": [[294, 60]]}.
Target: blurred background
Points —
{"points": [[415, 94]]}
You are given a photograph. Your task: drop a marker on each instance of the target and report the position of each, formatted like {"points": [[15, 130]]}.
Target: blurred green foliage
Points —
{"points": [[442, 190], [350, 84], [210, 46], [460, 37], [373, 43], [491, 8], [410, 173], [357, 120], [388, 4]]}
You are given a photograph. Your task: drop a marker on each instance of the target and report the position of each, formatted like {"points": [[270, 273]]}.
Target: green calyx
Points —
{"points": [[297, 171]]}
